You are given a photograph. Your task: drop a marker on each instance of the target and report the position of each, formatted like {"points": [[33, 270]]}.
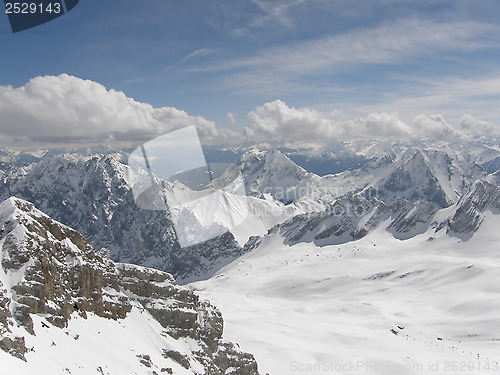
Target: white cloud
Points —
{"points": [[472, 125], [435, 127], [231, 118], [383, 125], [69, 109], [66, 109], [277, 121]]}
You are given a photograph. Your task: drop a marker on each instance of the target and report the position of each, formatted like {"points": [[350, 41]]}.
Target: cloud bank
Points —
{"points": [[65, 109], [276, 120]]}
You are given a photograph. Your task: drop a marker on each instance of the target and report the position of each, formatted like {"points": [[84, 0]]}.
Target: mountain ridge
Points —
{"points": [[48, 271]]}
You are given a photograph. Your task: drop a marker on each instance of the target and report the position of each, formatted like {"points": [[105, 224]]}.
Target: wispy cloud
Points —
{"points": [[478, 95], [192, 55], [197, 53], [274, 12], [389, 43]]}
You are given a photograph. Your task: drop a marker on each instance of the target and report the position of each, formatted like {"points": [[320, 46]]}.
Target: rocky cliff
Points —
{"points": [[50, 276], [92, 194]]}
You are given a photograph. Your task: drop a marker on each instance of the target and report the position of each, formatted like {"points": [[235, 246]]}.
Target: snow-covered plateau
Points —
{"points": [[378, 305]]}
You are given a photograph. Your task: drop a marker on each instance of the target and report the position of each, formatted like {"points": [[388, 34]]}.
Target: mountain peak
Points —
{"points": [[428, 175], [268, 171], [13, 204]]}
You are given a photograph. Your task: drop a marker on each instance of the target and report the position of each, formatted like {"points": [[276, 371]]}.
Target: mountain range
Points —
{"points": [[402, 183], [368, 229]]}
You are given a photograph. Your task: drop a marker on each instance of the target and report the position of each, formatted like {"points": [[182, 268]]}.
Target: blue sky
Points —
{"points": [[344, 59]]}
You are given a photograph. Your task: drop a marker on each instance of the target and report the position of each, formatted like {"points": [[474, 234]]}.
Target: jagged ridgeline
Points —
{"points": [[66, 309], [92, 195], [403, 184]]}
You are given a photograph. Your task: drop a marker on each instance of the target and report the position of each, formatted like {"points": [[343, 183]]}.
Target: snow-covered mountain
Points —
{"points": [[395, 257], [351, 218], [388, 269], [405, 185], [468, 214], [266, 172], [93, 195], [401, 289], [326, 160], [416, 174], [429, 175], [65, 309]]}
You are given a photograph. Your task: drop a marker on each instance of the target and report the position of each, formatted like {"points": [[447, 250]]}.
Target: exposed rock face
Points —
{"points": [[426, 175], [92, 195], [201, 261], [269, 172], [49, 269], [483, 195], [353, 217]]}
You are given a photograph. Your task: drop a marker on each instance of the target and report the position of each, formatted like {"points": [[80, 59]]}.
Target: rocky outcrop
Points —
{"points": [[426, 175], [50, 270], [482, 196], [92, 194], [352, 218], [269, 172]]}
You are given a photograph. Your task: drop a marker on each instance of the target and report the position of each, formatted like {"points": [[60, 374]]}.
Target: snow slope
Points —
{"points": [[97, 345], [307, 310]]}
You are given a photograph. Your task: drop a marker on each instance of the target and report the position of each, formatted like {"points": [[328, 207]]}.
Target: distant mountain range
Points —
{"points": [[400, 186]]}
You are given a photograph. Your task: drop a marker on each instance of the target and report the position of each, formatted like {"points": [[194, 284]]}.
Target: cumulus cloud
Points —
{"points": [[435, 127], [231, 118], [471, 125], [385, 125], [69, 109], [276, 120], [65, 109]]}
